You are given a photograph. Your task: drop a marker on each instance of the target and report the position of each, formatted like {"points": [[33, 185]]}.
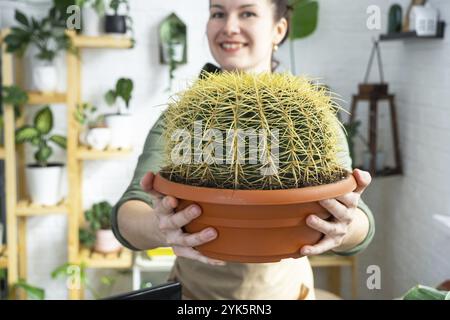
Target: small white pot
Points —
{"points": [[98, 138], [91, 21], [45, 78], [106, 242], [44, 184], [178, 51], [379, 165], [121, 130]]}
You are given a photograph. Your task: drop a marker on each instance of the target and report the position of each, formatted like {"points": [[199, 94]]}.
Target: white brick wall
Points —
{"points": [[409, 246]]}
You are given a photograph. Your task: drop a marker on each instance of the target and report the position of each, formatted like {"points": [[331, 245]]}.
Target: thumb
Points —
{"points": [[363, 179], [147, 185]]}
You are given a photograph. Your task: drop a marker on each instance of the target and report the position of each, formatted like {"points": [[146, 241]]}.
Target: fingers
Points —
{"points": [[363, 179], [179, 219], [337, 209], [322, 246], [165, 206], [147, 185], [191, 239], [194, 254], [325, 227]]}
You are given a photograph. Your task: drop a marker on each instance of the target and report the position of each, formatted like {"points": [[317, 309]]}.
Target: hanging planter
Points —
{"points": [[43, 177], [256, 153]]}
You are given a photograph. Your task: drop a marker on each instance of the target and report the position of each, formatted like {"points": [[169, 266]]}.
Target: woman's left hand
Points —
{"points": [[343, 210]]}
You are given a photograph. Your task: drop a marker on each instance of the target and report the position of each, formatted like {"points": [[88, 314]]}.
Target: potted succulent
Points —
{"points": [[12, 95], [48, 39], [120, 122], [94, 131], [98, 218], [43, 177], [118, 23], [92, 14], [259, 194]]}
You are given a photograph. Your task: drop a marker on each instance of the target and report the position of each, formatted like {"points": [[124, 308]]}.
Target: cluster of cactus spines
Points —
{"points": [[303, 113]]}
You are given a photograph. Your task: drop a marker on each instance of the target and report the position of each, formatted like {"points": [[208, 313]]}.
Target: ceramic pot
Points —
{"points": [[115, 24], [98, 138], [106, 242], [44, 183], [45, 78], [121, 130], [255, 225], [92, 22]]}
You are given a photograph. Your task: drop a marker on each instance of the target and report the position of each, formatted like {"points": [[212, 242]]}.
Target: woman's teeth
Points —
{"points": [[232, 46]]}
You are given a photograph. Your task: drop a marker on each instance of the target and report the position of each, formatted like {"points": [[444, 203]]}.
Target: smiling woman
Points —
{"points": [[242, 36]]}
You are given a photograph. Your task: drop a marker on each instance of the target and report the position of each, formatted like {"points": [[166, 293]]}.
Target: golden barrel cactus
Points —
{"points": [[238, 130]]}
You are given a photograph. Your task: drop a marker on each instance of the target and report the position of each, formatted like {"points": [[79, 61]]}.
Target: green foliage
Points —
{"points": [[38, 136], [99, 216], [123, 90], [85, 115], [421, 292], [115, 4], [303, 113], [31, 291], [13, 95], [303, 18], [87, 237], [47, 35]]}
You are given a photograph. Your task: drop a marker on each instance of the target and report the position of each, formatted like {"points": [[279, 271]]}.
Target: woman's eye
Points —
{"points": [[215, 15], [248, 14]]}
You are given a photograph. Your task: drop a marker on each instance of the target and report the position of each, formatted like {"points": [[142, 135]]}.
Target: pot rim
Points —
{"points": [[254, 197], [49, 165]]}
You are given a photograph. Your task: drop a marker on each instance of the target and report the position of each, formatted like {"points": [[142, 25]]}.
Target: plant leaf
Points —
{"points": [[32, 291], [44, 120], [304, 19], [26, 134], [20, 17], [110, 97], [43, 153], [59, 140]]}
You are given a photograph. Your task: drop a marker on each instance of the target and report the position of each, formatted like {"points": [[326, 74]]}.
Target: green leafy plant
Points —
{"points": [[99, 216], [421, 292], [38, 135], [114, 5], [45, 34], [304, 115], [85, 116], [15, 96], [77, 273], [123, 90], [33, 292]]}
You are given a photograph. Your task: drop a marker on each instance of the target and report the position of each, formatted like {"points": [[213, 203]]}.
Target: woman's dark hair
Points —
{"points": [[282, 10]]}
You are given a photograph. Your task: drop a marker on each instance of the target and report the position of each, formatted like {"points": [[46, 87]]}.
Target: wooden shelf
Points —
{"points": [[46, 98], [3, 257], [85, 153], [413, 34], [331, 261], [26, 208], [2, 152], [122, 259], [104, 41]]}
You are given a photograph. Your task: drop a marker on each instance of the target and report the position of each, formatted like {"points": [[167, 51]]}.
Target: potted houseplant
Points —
{"points": [[43, 177], [118, 23], [92, 14], [94, 132], [48, 39], [12, 95], [98, 218], [120, 122], [259, 191]]}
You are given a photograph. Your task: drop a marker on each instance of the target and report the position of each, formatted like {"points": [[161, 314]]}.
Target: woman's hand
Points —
{"points": [[171, 222], [344, 226]]}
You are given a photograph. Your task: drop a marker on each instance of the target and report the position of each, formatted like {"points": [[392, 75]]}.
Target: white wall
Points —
{"points": [[409, 246]]}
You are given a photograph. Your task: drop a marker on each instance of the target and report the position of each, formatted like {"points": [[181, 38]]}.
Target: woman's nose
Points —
{"points": [[231, 25]]}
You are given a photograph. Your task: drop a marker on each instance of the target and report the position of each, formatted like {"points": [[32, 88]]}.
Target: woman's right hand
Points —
{"points": [[171, 222]]}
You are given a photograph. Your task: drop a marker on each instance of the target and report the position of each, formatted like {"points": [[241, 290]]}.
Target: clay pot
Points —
{"points": [[255, 225]]}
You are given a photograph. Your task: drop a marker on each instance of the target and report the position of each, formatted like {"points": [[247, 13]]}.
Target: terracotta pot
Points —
{"points": [[255, 225], [106, 242]]}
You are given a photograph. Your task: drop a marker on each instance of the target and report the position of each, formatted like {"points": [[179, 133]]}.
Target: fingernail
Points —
{"points": [[210, 233], [306, 251], [194, 211]]}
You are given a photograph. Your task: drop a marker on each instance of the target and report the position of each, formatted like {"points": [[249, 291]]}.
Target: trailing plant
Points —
{"points": [[33, 292], [85, 116], [46, 34], [39, 136], [123, 90], [275, 109]]}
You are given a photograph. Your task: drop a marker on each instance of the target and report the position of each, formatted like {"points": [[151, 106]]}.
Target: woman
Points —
{"points": [[242, 35]]}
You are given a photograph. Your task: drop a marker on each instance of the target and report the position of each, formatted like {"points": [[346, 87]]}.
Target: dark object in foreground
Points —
{"points": [[167, 291]]}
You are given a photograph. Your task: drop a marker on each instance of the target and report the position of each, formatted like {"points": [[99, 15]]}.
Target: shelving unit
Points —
{"points": [[413, 35], [18, 207]]}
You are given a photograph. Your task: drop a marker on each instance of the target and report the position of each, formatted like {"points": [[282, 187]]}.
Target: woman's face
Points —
{"points": [[241, 34]]}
